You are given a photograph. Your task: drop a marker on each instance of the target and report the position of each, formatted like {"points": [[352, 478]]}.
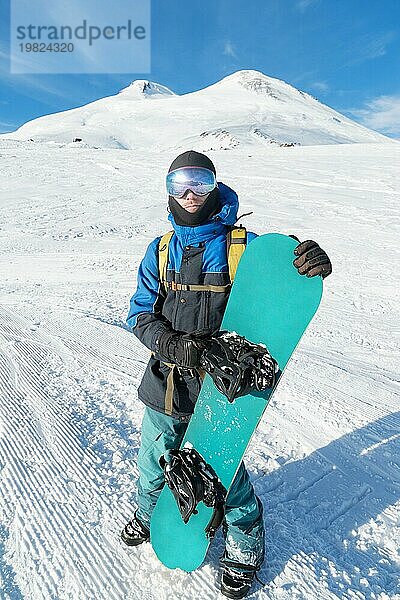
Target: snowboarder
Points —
{"points": [[183, 286]]}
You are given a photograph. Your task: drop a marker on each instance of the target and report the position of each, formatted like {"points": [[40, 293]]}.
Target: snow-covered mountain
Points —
{"points": [[245, 109]]}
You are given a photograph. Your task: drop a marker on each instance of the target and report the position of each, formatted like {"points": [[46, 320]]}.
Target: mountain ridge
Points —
{"points": [[244, 109]]}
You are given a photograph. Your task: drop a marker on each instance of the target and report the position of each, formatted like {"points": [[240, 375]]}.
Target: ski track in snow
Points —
{"points": [[325, 458]]}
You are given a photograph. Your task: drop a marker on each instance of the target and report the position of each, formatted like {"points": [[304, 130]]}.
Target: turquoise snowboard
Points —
{"points": [[270, 303]]}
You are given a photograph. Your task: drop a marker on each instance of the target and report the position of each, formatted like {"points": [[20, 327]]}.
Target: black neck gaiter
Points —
{"points": [[182, 217]]}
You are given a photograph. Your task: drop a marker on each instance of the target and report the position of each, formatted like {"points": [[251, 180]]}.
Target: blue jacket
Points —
{"points": [[197, 255]]}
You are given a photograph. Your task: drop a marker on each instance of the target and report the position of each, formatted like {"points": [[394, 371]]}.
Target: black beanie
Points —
{"points": [[191, 158], [211, 206]]}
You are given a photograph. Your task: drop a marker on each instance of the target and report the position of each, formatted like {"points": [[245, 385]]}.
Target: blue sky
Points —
{"points": [[344, 52]]}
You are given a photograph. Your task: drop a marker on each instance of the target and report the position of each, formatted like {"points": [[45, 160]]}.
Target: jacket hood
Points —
{"points": [[218, 224]]}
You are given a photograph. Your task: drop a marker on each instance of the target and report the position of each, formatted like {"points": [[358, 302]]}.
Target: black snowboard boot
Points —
{"points": [[236, 583], [135, 532]]}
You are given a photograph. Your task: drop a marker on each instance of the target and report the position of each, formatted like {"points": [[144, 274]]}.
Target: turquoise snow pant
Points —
{"points": [[243, 525]]}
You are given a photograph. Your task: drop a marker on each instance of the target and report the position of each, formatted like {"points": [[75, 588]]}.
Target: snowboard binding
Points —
{"points": [[238, 366], [192, 480]]}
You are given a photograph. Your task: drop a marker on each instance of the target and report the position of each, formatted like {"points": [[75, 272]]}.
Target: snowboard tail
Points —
{"points": [[271, 304]]}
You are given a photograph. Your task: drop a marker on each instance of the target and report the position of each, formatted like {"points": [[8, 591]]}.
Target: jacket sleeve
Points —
{"points": [[144, 317], [251, 236]]}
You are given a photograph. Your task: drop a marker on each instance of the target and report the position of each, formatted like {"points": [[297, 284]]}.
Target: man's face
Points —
{"points": [[191, 202]]}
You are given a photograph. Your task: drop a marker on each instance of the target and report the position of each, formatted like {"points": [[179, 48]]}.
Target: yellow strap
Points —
{"points": [[236, 247], [186, 287], [163, 257], [169, 392]]}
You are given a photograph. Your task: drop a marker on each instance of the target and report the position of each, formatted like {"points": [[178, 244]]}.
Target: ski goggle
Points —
{"points": [[198, 180]]}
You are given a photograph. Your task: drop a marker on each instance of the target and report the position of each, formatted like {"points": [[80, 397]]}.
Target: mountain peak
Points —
{"points": [[256, 82], [143, 88], [247, 75]]}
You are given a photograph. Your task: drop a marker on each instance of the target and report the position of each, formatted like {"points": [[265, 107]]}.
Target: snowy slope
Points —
{"points": [[244, 110], [325, 460]]}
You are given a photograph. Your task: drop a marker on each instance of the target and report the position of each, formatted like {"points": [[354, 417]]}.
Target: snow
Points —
{"points": [[325, 460]]}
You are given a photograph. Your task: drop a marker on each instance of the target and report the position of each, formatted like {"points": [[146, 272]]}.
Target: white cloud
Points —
{"points": [[381, 114], [369, 46], [26, 82], [6, 126], [302, 5], [305, 76], [320, 86], [229, 49]]}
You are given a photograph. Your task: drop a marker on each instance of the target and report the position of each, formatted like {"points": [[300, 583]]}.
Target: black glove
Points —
{"points": [[183, 350], [312, 260]]}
